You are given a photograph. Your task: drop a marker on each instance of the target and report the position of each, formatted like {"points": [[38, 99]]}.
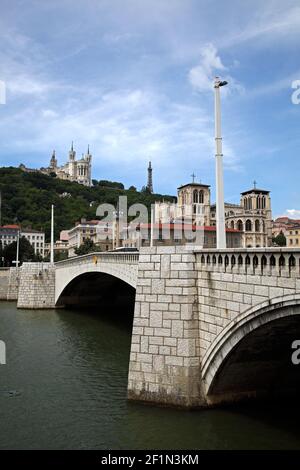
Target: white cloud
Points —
{"points": [[201, 76], [268, 22], [293, 213], [49, 113]]}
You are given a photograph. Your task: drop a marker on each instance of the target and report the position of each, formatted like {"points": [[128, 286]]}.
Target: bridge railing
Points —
{"points": [[100, 257], [283, 262]]}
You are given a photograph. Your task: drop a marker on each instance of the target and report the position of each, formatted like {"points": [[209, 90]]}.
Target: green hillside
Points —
{"points": [[27, 199]]}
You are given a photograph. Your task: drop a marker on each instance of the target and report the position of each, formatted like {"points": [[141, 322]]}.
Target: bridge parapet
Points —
{"points": [[282, 262], [105, 257]]}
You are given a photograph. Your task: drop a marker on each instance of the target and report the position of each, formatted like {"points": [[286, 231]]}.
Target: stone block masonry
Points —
{"points": [[13, 284], [36, 286], [164, 362], [9, 284], [4, 281]]}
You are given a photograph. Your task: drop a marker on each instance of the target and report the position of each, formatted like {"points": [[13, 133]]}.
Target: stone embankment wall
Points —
{"points": [[9, 284], [4, 281], [13, 284], [37, 286]]}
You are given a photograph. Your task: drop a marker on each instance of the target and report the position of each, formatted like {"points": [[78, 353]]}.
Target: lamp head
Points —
{"points": [[219, 83]]}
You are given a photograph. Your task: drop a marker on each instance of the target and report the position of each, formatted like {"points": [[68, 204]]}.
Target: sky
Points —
{"points": [[133, 79]]}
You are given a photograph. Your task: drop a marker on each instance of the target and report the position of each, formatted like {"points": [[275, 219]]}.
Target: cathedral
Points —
{"points": [[74, 170], [252, 217]]}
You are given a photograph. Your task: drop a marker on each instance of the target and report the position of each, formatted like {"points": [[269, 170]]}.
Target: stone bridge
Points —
{"points": [[209, 326]]}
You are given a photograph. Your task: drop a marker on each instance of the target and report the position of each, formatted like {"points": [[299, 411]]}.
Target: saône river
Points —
{"points": [[64, 387]]}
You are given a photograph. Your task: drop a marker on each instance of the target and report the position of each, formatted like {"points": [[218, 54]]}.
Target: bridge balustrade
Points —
{"points": [[267, 261], [103, 257]]}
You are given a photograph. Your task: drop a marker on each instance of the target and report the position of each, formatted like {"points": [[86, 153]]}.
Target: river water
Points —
{"points": [[64, 387]]}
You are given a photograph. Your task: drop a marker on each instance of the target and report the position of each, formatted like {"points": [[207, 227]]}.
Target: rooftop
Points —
{"points": [[255, 191], [196, 185]]}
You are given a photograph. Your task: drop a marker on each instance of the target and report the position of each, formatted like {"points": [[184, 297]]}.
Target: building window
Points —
{"points": [[248, 226], [201, 197], [257, 226], [291, 241], [240, 225]]}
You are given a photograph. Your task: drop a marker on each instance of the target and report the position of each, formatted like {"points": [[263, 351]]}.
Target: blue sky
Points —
{"points": [[133, 79]]}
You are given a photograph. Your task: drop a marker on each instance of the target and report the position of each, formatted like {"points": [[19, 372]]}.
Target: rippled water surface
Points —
{"points": [[64, 387]]}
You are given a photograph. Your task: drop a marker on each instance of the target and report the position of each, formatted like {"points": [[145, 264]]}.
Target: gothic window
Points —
{"points": [[248, 226], [195, 196], [240, 225], [258, 202], [263, 202], [249, 203], [232, 224], [201, 197], [257, 226], [245, 203]]}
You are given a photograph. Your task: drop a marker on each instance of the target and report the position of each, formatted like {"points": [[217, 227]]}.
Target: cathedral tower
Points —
{"points": [[53, 161]]}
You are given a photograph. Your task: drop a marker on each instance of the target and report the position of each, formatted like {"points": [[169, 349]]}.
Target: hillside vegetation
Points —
{"points": [[27, 199]]}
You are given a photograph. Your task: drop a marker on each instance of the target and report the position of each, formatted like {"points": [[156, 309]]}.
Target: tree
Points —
{"points": [[26, 252], [280, 240], [60, 255], [88, 246], [145, 190], [132, 188]]}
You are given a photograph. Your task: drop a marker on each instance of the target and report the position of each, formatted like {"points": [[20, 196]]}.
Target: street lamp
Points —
{"points": [[52, 235], [18, 249], [220, 212]]}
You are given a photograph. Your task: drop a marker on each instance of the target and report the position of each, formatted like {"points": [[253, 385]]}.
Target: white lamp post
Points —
{"points": [[220, 212], [52, 235]]}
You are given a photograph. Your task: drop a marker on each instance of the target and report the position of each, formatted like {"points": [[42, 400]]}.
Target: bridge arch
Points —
{"points": [[248, 356], [121, 268]]}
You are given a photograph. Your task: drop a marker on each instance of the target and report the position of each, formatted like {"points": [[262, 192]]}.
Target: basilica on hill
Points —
{"points": [[252, 218], [79, 171]]}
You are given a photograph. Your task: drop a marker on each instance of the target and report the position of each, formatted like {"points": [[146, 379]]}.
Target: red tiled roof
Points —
{"points": [[206, 228], [12, 226]]}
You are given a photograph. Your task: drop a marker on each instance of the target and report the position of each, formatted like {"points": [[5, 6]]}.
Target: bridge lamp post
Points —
{"points": [[18, 249], [52, 235], [220, 212]]}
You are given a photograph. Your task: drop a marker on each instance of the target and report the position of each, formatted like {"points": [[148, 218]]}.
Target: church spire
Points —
{"points": [[72, 152]]}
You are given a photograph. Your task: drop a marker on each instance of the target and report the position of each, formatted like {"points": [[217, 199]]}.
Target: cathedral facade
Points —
{"points": [[252, 217], [79, 171]]}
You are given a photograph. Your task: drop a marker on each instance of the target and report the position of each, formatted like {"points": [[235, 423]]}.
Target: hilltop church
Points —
{"points": [[79, 171]]}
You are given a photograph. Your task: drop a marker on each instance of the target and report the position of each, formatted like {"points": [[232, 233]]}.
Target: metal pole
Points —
{"points": [[113, 233], [220, 212], [152, 226], [52, 235], [18, 248]]}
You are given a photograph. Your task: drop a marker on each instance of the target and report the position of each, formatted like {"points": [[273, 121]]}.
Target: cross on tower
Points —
{"points": [[193, 176], [254, 184]]}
